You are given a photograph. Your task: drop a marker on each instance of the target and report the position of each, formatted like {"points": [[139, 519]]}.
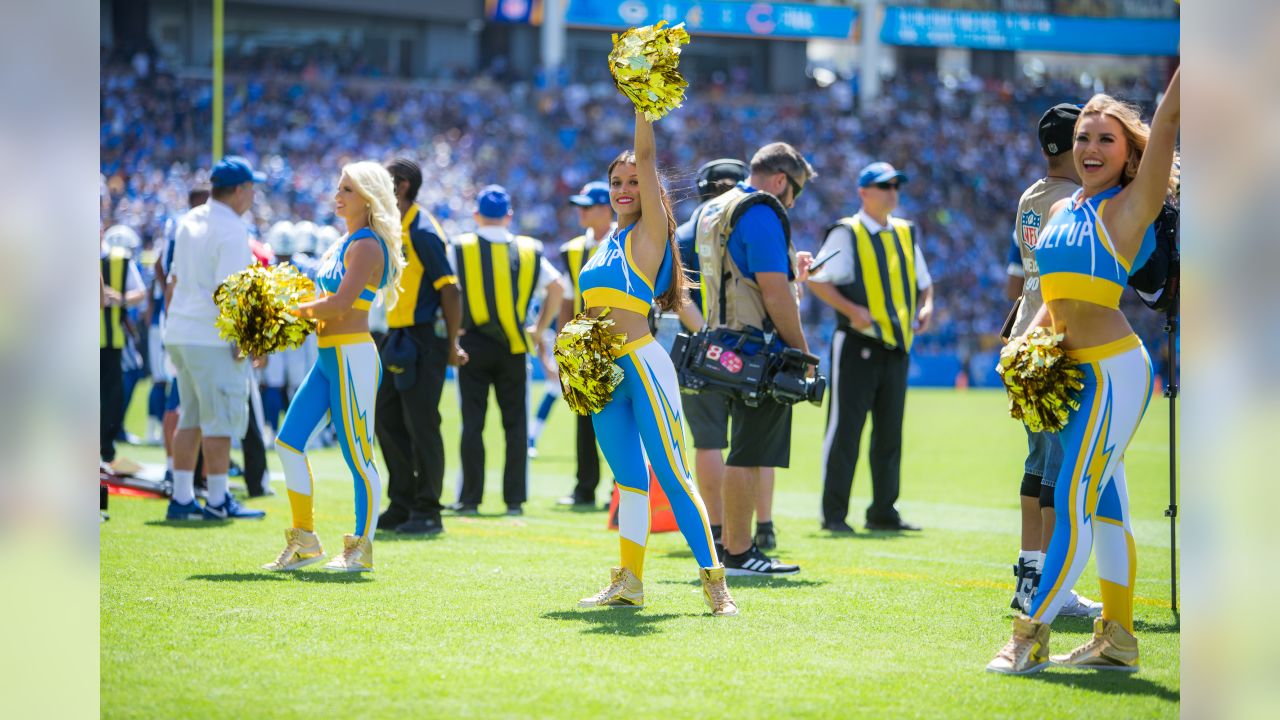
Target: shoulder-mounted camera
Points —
{"points": [[746, 364]]}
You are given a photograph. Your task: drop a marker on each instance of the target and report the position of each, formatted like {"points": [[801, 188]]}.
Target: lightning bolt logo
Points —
{"points": [[360, 427], [1098, 459]]}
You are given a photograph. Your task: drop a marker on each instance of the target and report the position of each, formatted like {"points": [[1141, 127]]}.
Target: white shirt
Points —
{"points": [[546, 271], [842, 269], [211, 243]]}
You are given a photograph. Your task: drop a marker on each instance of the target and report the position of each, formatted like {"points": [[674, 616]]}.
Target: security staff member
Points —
{"points": [[500, 273], [595, 216], [415, 353], [879, 285], [121, 288]]}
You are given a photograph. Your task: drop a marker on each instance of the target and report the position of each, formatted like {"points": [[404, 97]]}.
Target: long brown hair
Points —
{"points": [[675, 296], [1136, 132]]}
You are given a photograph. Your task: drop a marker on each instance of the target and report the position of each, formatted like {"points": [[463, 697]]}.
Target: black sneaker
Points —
{"points": [[392, 519], [754, 562], [839, 527], [721, 554], [896, 525], [1019, 571], [421, 526], [1028, 578]]}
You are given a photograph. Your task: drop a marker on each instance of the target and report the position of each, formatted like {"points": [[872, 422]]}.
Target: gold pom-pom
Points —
{"points": [[255, 309], [1042, 381], [644, 64], [584, 354]]}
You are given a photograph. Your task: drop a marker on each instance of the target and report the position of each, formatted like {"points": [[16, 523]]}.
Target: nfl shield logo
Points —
{"points": [[1030, 228]]}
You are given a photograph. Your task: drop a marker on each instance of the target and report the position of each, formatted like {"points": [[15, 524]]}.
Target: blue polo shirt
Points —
{"points": [[758, 243]]}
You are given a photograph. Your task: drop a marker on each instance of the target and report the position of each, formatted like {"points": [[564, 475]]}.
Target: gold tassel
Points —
{"points": [[644, 65], [584, 354], [256, 309], [1042, 381]]}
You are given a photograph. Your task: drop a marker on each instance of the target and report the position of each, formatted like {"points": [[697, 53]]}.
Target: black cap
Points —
{"points": [[1058, 128], [722, 169]]}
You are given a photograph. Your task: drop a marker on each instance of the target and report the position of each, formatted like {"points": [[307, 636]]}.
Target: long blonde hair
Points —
{"points": [[374, 184], [1135, 131]]}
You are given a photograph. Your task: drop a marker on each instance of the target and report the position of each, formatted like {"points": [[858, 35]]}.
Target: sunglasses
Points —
{"points": [[888, 185], [796, 188]]}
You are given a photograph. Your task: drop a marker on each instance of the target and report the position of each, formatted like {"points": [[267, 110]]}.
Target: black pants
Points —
{"points": [[493, 365], [408, 428], [255, 455], [866, 377], [588, 462], [110, 401]]}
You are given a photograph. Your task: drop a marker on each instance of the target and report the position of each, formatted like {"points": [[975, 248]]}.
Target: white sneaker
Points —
{"points": [[1077, 606]]}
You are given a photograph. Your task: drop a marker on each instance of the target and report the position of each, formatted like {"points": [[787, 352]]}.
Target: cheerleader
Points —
{"points": [[343, 382], [1085, 253], [636, 267]]}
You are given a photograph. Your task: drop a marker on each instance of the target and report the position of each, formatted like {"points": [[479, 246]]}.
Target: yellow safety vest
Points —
{"points": [[576, 255], [886, 280], [115, 273], [497, 285]]}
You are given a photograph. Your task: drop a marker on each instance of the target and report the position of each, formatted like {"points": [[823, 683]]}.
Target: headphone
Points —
{"points": [[731, 168]]}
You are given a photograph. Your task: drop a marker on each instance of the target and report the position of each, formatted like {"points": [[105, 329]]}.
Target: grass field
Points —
{"points": [[481, 622]]}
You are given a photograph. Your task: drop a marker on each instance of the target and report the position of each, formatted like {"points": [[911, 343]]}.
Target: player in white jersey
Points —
{"points": [[1044, 453]]}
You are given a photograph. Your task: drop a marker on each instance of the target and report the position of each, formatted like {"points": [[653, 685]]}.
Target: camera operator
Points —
{"points": [[749, 275], [880, 288]]}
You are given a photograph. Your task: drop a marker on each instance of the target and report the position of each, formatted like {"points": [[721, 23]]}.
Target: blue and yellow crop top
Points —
{"points": [[611, 277], [329, 275], [1077, 259]]}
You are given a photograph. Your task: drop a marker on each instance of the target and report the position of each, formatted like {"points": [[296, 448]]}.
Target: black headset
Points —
{"points": [[729, 168]]}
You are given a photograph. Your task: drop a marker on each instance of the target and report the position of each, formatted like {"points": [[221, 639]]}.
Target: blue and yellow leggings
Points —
{"points": [[342, 385], [643, 425], [1091, 498]]}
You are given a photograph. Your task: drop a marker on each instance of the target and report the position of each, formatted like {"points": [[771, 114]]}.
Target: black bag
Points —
{"points": [[1156, 282]]}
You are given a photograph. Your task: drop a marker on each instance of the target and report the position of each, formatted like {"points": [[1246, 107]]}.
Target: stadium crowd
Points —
{"points": [[968, 147]]}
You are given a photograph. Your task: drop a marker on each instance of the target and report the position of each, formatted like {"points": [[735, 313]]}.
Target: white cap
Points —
{"points": [[122, 236]]}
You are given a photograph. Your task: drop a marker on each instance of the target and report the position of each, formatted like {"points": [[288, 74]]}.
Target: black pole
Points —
{"points": [[1171, 392]]}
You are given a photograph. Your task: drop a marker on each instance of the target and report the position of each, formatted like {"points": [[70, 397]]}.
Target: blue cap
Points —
{"points": [[592, 194], [493, 202], [234, 170], [878, 172]]}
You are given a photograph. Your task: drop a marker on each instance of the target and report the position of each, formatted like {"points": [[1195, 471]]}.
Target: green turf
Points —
{"points": [[481, 622]]}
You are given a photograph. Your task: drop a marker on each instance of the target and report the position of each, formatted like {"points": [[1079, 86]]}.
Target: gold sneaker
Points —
{"points": [[357, 555], [1026, 652], [625, 590], [1112, 648], [301, 549], [716, 593]]}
